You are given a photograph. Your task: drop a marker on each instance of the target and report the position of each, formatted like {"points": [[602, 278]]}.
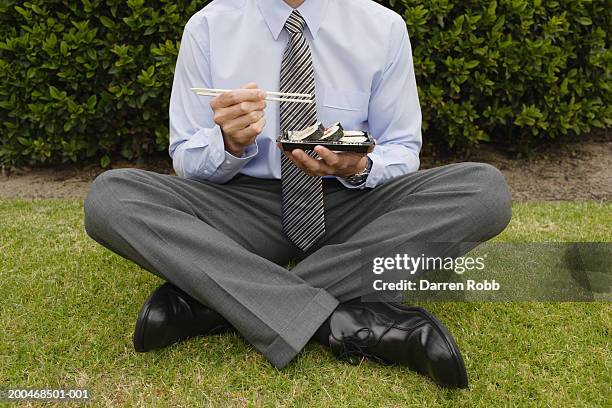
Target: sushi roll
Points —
{"points": [[333, 133], [314, 132], [354, 136]]}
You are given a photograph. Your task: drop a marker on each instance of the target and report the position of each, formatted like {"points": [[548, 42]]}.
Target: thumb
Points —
{"points": [[250, 85]]}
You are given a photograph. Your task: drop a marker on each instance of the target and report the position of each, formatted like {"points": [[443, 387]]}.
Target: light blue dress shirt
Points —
{"points": [[364, 78]]}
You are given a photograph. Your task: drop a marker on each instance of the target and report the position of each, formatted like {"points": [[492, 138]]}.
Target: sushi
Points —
{"points": [[333, 133], [354, 136], [314, 132], [334, 138]]}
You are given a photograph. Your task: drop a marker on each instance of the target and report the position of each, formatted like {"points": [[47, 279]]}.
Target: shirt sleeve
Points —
{"points": [[394, 116], [196, 143]]}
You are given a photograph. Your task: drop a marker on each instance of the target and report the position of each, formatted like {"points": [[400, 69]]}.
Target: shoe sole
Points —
{"points": [[450, 341]]}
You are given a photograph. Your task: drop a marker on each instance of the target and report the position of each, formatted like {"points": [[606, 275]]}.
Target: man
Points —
{"points": [[222, 232]]}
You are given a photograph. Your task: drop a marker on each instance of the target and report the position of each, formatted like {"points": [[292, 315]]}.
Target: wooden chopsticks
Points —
{"points": [[271, 96]]}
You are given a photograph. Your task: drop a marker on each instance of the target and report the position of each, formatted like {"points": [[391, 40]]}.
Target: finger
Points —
{"points": [[236, 97], [243, 121], [259, 126], [297, 155], [250, 85], [224, 115], [299, 164], [313, 166], [325, 153], [330, 158], [248, 135]]}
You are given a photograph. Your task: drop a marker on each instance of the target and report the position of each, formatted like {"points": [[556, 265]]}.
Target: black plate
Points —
{"points": [[362, 147]]}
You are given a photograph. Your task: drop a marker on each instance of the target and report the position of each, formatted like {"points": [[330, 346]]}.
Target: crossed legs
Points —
{"points": [[224, 246]]}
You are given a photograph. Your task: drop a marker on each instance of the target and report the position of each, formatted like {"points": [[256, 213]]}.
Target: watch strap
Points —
{"points": [[361, 177]]}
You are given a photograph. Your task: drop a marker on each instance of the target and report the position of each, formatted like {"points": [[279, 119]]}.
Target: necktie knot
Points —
{"points": [[295, 23]]}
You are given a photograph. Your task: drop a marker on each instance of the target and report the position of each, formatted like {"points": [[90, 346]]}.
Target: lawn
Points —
{"points": [[68, 309]]}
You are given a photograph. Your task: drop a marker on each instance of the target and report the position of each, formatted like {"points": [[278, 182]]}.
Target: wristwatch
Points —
{"points": [[360, 178]]}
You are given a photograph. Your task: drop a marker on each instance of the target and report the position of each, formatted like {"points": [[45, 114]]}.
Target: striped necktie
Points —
{"points": [[303, 213]]}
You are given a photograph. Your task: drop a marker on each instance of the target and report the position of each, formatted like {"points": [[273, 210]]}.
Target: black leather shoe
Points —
{"points": [[391, 333], [170, 315]]}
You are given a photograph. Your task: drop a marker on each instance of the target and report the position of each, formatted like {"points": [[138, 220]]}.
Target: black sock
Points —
{"points": [[322, 334]]}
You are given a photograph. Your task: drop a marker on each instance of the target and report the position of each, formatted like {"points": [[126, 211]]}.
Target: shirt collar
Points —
{"points": [[276, 13]]}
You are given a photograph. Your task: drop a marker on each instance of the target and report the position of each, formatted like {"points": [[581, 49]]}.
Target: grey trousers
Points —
{"points": [[224, 244]]}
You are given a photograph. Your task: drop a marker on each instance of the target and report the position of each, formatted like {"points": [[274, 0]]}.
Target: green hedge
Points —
{"points": [[515, 72], [83, 79]]}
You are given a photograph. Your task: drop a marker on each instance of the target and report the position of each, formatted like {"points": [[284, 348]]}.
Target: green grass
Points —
{"points": [[68, 307]]}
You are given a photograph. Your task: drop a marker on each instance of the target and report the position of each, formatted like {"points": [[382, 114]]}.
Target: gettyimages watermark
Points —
{"points": [[489, 272]]}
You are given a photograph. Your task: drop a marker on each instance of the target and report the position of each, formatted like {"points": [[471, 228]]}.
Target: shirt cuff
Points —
{"points": [[229, 165], [200, 155], [232, 164], [377, 170], [352, 186]]}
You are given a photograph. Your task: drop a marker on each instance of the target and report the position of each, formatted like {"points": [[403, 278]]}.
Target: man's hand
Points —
{"points": [[240, 115], [345, 164]]}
